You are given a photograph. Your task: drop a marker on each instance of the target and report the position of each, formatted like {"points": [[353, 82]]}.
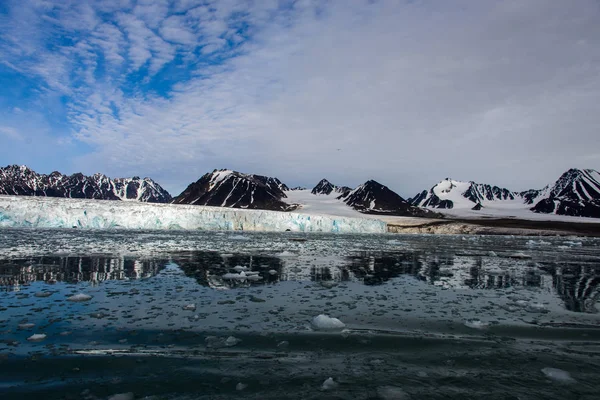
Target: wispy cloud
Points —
{"points": [[407, 93]]}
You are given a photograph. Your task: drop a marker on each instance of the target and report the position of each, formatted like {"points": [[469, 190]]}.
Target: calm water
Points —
{"points": [[214, 315]]}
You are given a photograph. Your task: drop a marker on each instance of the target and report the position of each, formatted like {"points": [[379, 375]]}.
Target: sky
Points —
{"points": [[505, 92]]}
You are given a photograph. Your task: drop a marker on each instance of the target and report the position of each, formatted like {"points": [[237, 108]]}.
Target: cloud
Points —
{"points": [[10, 133], [502, 92]]}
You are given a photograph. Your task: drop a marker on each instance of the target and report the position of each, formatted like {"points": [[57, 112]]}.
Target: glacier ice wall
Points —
{"points": [[45, 212]]}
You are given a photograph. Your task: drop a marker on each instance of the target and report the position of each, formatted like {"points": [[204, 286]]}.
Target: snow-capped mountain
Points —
{"points": [[227, 188], [326, 187], [374, 198], [575, 193], [21, 180], [450, 193]]}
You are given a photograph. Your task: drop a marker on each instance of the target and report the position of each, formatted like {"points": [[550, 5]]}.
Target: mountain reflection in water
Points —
{"points": [[577, 284]]}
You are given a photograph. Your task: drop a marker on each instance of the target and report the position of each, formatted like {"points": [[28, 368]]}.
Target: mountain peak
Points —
{"points": [[23, 181]]}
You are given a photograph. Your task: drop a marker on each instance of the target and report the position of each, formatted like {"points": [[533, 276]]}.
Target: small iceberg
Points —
{"points": [[324, 322], [37, 337], [329, 384], [80, 297], [476, 324], [558, 375]]}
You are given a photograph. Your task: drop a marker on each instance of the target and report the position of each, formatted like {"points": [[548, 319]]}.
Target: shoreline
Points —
{"points": [[494, 226]]}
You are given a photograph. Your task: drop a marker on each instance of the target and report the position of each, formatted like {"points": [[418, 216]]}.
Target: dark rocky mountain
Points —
{"points": [[23, 181], [297, 188], [374, 198], [575, 193], [447, 192], [326, 187], [227, 188]]}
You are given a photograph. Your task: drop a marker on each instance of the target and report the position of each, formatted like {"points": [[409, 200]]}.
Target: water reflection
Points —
{"points": [[219, 270], [576, 284], [94, 269]]}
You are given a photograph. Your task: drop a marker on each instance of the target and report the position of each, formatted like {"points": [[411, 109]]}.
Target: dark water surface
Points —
{"points": [[185, 315]]}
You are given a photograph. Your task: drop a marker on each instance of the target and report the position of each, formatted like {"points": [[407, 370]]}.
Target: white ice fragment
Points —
{"points": [[272, 272], [285, 254], [240, 386], [122, 396], [37, 337], [190, 307], [28, 325], [239, 277], [519, 254], [254, 278], [476, 324], [329, 384], [325, 322], [79, 297], [558, 375], [238, 237], [492, 254], [232, 341], [43, 294], [391, 393], [239, 268]]}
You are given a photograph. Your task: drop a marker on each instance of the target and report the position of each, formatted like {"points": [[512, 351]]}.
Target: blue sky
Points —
{"points": [[407, 93]]}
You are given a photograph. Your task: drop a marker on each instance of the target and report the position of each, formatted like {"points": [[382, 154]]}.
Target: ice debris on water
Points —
{"points": [[476, 324], [80, 297], [325, 322], [37, 337], [190, 307], [43, 294], [232, 341], [557, 375], [28, 325], [391, 393], [240, 386], [329, 384]]}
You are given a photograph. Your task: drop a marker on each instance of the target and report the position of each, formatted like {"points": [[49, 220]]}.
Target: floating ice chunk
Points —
{"points": [[232, 341], [238, 237], [37, 337], [272, 272], [329, 384], [239, 268], [325, 322], [240, 386], [558, 375], [476, 324], [190, 307], [43, 294], [254, 278], [240, 277], [391, 393], [80, 297], [28, 325], [519, 254], [492, 254], [122, 396], [285, 254]]}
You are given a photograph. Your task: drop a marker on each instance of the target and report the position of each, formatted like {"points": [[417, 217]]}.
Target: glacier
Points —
{"points": [[46, 212]]}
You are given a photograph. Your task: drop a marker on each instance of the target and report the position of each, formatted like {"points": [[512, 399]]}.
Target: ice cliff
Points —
{"points": [[44, 212]]}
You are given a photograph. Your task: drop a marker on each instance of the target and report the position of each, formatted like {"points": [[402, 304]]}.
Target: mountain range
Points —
{"points": [[23, 181], [575, 193]]}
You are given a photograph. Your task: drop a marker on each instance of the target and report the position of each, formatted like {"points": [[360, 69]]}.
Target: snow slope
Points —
{"points": [[322, 204], [45, 212]]}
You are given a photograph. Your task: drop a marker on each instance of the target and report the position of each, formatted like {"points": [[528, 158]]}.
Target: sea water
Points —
{"points": [[101, 314]]}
